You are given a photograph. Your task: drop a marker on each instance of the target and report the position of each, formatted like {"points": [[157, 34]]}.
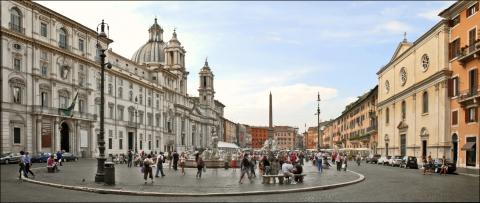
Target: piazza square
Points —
{"points": [[196, 101]]}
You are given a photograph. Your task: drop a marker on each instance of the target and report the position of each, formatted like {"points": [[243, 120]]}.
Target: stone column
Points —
{"points": [[57, 136], [39, 134]]}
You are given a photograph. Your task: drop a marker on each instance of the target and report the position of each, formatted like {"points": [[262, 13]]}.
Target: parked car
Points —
{"points": [[437, 164], [10, 158], [40, 157], [395, 161], [382, 160], [66, 156], [409, 162], [372, 158]]}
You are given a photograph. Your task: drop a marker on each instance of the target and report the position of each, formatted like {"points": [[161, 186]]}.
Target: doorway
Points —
{"points": [[386, 149], [424, 148], [130, 140], [471, 151], [403, 145], [454, 147], [64, 137]]}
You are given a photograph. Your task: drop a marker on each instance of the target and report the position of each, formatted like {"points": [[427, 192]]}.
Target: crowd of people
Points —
{"points": [[54, 161]]}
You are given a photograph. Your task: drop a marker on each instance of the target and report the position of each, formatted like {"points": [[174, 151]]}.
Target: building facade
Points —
{"points": [[230, 134], [413, 108], [259, 136], [464, 88], [50, 62], [285, 136]]}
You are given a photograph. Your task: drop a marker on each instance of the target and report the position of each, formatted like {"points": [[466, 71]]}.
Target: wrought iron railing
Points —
{"points": [[16, 28], [469, 93]]}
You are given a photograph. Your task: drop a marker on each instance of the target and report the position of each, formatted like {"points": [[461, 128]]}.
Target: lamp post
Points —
{"points": [[99, 176], [136, 123], [318, 121]]}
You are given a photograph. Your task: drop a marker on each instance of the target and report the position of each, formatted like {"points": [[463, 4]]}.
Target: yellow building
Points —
{"points": [[413, 107]]}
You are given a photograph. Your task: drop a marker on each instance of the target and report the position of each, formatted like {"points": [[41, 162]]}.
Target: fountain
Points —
{"points": [[211, 157]]}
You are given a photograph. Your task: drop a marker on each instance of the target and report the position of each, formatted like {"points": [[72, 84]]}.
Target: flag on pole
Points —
{"points": [[69, 111]]}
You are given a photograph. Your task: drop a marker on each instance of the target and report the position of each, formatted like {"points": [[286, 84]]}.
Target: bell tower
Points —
{"points": [[205, 91]]}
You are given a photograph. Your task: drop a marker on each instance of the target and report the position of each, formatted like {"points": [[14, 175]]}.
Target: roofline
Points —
{"points": [[445, 11], [93, 32], [425, 35]]}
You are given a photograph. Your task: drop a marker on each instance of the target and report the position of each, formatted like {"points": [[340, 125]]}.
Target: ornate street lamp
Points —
{"points": [[99, 177], [318, 121]]}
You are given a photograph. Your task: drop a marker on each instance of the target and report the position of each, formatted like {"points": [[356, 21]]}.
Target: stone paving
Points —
{"points": [[212, 181]]}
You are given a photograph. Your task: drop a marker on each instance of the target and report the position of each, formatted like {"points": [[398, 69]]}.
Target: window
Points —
{"points": [[149, 117], [473, 81], [120, 144], [17, 64], [16, 136], [454, 49], [110, 133], [472, 34], [455, 21], [44, 99], [110, 87], [157, 143], [141, 99], [425, 102], [17, 94], [204, 81], [453, 87], [130, 96], [472, 10], [455, 118], [158, 104], [16, 20], [387, 116], [140, 115], [149, 145], [157, 123], [471, 115], [81, 106], [404, 110], [44, 69], [62, 38], [109, 143], [43, 29], [81, 45], [141, 144], [120, 113], [120, 90], [110, 111], [149, 102]]}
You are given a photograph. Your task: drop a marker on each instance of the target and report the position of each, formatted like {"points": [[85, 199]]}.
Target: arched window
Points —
{"points": [[62, 38], [425, 102], [404, 110], [120, 90], [17, 87], [16, 20], [387, 116]]}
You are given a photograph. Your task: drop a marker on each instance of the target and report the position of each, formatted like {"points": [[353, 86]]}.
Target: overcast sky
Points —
{"points": [[293, 49]]}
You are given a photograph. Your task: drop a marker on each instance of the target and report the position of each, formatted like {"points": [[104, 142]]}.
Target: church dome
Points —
{"points": [[153, 51]]}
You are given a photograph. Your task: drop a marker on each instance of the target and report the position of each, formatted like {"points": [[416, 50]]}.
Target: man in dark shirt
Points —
{"points": [[175, 160], [129, 158]]}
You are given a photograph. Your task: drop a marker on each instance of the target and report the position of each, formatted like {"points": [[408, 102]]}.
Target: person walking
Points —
{"points": [[301, 157], [28, 164], [183, 158], [358, 159], [344, 165], [319, 159], [21, 166], [129, 158], [253, 163], [147, 168], [175, 160], [338, 162], [234, 162], [244, 168], [200, 165], [160, 161], [59, 158]]}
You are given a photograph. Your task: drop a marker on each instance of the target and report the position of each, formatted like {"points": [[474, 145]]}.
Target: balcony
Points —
{"points": [[469, 52], [16, 28], [372, 129], [467, 97], [51, 111]]}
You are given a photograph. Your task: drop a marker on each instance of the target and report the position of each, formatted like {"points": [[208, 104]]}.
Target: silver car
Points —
{"points": [[395, 161]]}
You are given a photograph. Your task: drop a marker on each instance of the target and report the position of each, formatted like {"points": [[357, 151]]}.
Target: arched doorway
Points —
{"points": [[65, 137], [454, 147]]}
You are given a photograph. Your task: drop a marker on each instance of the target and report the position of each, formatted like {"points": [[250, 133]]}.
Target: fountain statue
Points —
{"points": [[211, 156]]}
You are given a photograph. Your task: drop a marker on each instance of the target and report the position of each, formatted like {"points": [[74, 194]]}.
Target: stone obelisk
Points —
{"points": [[270, 122]]}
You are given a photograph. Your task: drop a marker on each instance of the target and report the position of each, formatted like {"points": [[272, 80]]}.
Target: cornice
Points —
{"points": [[437, 77]]}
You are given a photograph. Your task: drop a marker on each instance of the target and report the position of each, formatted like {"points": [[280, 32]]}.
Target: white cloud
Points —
{"points": [[394, 26], [431, 14]]}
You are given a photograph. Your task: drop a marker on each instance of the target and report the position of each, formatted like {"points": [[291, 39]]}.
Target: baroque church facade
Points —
{"points": [[50, 62]]}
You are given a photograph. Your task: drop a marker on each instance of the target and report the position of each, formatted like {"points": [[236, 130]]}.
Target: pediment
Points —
{"points": [[402, 47], [402, 125]]}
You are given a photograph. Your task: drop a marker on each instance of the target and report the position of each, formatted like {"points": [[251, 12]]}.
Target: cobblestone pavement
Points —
{"points": [[382, 183], [212, 181]]}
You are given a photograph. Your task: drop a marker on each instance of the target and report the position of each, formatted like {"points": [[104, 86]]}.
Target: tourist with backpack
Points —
{"points": [[160, 161]]}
